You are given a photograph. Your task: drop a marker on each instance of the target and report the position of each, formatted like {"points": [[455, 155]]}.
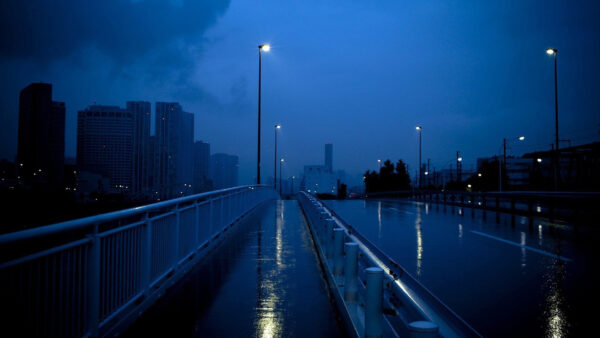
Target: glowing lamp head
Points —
{"points": [[479, 174], [277, 126], [266, 47], [418, 128], [460, 159], [521, 138], [551, 51], [379, 160], [281, 160], [427, 173], [539, 160]]}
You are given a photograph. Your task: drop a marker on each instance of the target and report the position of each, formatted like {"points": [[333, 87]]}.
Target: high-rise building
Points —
{"points": [[141, 150], [105, 137], [224, 170], [201, 167], [329, 157], [175, 139], [41, 139]]}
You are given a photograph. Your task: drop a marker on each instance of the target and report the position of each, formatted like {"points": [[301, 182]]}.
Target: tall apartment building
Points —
{"points": [[174, 138], [224, 170], [141, 147], [202, 180], [105, 143], [41, 139]]}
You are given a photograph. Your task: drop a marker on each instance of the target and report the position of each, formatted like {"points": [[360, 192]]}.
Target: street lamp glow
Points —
{"points": [[460, 159], [379, 160], [277, 126], [521, 138], [550, 51], [281, 160], [427, 173], [266, 47], [479, 174], [418, 128], [539, 160], [469, 186]]}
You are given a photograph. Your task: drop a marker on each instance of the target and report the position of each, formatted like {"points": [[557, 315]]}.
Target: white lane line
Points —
{"points": [[401, 211], [523, 246]]}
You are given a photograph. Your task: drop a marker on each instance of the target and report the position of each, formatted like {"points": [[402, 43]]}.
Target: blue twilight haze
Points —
{"points": [[358, 74]]}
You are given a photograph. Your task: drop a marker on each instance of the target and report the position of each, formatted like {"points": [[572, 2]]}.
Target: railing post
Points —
{"points": [[210, 217], [350, 272], [196, 224], [329, 226], [338, 251], [146, 263], [176, 238], [93, 275], [374, 300]]}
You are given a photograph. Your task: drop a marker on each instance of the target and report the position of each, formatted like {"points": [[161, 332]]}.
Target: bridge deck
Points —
{"points": [[264, 280]]}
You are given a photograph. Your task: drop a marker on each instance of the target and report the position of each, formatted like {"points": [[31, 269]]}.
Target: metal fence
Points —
{"points": [[88, 276], [376, 296]]}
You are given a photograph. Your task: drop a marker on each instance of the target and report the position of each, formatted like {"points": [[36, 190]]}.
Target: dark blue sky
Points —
{"points": [[359, 74]]}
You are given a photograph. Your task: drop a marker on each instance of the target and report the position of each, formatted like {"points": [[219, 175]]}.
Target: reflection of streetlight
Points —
{"points": [[420, 130], [275, 160], [280, 174], [266, 48], [554, 51]]}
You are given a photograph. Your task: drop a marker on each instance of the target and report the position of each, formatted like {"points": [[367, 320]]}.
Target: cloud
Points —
{"points": [[45, 31]]}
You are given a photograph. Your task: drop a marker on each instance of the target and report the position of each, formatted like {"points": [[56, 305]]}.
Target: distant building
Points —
{"points": [[224, 170], [202, 180], [320, 179], [105, 137], [41, 139], [175, 138], [141, 147]]}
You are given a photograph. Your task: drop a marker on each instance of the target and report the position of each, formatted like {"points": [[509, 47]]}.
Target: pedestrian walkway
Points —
{"points": [[263, 281]]}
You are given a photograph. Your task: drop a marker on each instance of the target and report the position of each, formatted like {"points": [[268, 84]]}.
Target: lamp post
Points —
{"points": [[419, 129], [554, 52], [379, 162], [504, 142], [275, 160], [280, 174], [266, 48]]}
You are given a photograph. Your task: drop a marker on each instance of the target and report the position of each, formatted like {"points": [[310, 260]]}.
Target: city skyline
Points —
{"points": [[468, 78]]}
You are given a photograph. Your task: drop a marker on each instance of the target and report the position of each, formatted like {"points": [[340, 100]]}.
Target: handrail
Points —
{"points": [[103, 271], [110, 216]]}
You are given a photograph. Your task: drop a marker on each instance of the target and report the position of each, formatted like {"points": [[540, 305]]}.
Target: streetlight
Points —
{"points": [[379, 162], [266, 48], [554, 51], [504, 141], [420, 130], [275, 160], [280, 174]]}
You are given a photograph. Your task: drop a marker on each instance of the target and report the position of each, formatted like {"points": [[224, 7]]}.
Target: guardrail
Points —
{"points": [[375, 295], [576, 207], [93, 276]]}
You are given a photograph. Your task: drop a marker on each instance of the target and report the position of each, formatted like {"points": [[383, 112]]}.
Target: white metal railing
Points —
{"points": [[376, 296], [84, 277]]}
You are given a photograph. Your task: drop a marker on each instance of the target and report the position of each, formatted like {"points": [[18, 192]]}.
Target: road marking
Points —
{"points": [[523, 246], [401, 211]]}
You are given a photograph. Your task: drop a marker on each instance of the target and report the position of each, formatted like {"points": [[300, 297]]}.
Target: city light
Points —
{"points": [[266, 47], [479, 174], [460, 159], [550, 51], [277, 126], [521, 138], [468, 186], [539, 160], [418, 128]]}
